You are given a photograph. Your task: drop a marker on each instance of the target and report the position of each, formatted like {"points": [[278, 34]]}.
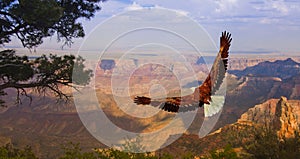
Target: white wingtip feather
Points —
{"points": [[215, 106]]}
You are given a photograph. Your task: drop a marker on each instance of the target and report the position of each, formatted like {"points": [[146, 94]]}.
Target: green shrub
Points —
{"points": [[226, 153], [73, 151], [9, 152], [266, 144]]}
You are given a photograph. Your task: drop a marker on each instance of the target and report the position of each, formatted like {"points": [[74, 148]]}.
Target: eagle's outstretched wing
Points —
{"points": [[202, 94]]}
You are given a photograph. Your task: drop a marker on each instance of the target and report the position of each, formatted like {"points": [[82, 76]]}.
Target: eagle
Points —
{"points": [[202, 95]]}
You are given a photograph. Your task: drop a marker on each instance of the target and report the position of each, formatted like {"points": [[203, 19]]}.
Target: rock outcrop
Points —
{"points": [[282, 114], [285, 119], [257, 84]]}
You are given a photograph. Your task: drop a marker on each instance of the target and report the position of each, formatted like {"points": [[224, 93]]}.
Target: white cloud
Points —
{"points": [[269, 21], [182, 12], [134, 6], [261, 17], [280, 6], [225, 5], [233, 15]]}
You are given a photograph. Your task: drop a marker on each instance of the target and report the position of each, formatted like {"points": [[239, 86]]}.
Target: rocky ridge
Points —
{"points": [[48, 123], [282, 114]]}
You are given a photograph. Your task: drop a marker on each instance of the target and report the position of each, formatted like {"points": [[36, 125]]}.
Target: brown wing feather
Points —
{"points": [[202, 94], [170, 104], [217, 73]]}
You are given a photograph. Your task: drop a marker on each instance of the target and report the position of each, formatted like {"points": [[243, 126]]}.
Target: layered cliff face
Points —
{"points": [[281, 114], [285, 119], [257, 84]]}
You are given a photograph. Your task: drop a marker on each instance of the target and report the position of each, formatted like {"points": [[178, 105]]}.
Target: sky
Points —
{"points": [[257, 26]]}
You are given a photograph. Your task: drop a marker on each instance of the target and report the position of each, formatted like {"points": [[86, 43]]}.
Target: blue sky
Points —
{"points": [[256, 25]]}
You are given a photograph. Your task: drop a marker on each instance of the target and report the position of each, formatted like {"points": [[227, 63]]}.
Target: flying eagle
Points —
{"points": [[202, 94]]}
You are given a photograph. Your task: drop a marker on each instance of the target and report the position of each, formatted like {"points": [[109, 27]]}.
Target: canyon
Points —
{"points": [[254, 92]]}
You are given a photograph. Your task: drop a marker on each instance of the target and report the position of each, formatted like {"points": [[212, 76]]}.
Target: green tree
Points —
{"points": [[32, 20], [44, 73]]}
